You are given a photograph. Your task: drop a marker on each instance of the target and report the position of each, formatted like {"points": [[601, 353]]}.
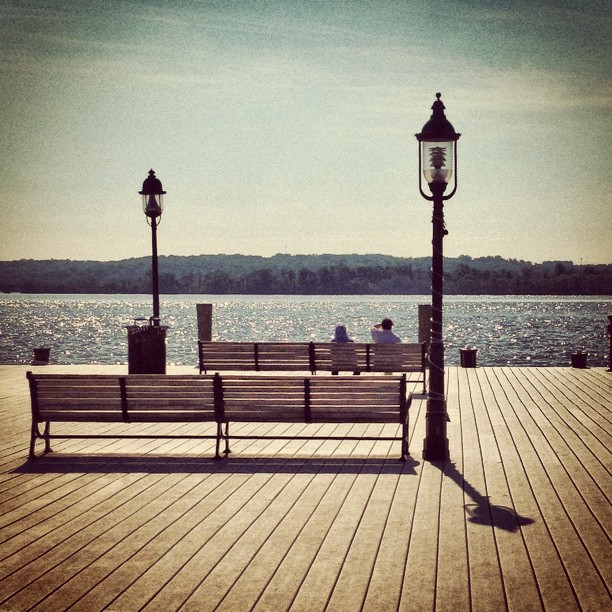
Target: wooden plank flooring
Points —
{"points": [[518, 519]]}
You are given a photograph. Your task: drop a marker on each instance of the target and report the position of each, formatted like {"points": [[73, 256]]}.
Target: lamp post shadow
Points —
{"points": [[482, 511]]}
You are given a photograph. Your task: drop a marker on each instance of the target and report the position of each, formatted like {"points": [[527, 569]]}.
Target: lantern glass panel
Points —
{"points": [[152, 205], [438, 161]]}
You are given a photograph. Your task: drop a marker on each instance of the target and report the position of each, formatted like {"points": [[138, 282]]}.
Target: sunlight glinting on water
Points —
{"points": [[520, 331]]}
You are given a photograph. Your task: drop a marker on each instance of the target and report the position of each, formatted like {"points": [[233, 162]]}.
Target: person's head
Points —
{"points": [[341, 334], [386, 323]]}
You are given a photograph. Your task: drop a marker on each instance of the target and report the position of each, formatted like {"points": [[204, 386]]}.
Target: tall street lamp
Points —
{"points": [[152, 203], [438, 164], [147, 343]]}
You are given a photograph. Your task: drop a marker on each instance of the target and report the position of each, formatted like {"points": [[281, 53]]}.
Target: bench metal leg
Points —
{"points": [[46, 436], [227, 450], [404, 442], [33, 435], [219, 436]]}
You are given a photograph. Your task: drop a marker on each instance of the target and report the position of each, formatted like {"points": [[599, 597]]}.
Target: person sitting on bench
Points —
{"points": [[382, 334]]}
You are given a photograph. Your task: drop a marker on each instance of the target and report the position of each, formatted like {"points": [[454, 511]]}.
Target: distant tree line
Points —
{"points": [[306, 274]]}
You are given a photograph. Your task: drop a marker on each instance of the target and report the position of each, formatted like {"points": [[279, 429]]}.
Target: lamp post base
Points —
{"points": [[436, 450], [435, 444]]}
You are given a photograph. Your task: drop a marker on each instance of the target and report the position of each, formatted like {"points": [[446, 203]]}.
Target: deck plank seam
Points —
{"points": [[357, 526], [222, 478], [115, 508], [402, 590], [530, 482], [578, 404], [316, 553], [280, 521], [197, 587], [70, 590], [45, 519], [33, 507], [555, 493], [242, 468], [291, 544], [253, 443], [485, 481], [486, 374], [462, 416], [465, 526], [301, 530], [580, 532], [380, 540], [324, 539], [569, 446], [31, 575], [594, 393]]}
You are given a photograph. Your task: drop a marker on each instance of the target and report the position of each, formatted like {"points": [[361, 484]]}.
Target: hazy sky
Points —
{"points": [[288, 126]]}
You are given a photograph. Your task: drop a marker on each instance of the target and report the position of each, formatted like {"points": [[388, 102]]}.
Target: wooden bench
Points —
{"points": [[105, 398], [256, 356], [151, 398], [310, 399], [313, 357]]}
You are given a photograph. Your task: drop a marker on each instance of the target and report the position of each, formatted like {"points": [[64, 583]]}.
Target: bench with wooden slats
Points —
{"points": [[103, 398], [255, 356], [147, 398], [313, 357], [309, 399], [371, 357]]}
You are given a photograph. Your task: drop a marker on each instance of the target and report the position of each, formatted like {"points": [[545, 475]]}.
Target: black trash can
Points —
{"points": [[41, 355], [468, 357], [579, 360], [147, 349]]}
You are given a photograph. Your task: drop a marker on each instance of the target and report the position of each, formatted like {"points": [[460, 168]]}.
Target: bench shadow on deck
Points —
{"points": [[125, 464], [478, 508]]}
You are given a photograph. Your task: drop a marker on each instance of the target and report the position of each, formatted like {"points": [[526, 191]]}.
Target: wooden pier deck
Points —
{"points": [[518, 519]]}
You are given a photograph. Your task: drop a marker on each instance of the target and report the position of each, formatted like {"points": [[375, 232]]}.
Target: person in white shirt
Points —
{"points": [[382, 334]]}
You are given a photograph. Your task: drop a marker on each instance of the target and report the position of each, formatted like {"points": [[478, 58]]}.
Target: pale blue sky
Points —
{"points": [[289, 126]]}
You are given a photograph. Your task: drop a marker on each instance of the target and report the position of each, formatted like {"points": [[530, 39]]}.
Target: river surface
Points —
{"points": [[507, 330]]}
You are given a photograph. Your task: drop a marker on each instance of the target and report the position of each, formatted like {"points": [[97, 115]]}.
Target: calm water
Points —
{"points": [[507, 330]]}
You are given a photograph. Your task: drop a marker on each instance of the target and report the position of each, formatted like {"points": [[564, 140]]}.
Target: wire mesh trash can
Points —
{"points": [[146, 349], [468, 357]]}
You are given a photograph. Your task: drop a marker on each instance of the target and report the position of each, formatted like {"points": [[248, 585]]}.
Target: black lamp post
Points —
{"points": [[438, 164], [147, 343], [152, 203]]}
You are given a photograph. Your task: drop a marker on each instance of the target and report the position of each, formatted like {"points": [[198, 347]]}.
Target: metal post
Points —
{"points": [[435, 445], [154, 271]]}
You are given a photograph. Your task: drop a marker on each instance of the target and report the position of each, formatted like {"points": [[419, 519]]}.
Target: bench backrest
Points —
{"points": [[375, 399], [311, 356], [369, 357], [255, 356], [114, 398], [243, 398]]}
